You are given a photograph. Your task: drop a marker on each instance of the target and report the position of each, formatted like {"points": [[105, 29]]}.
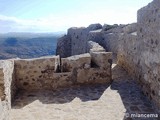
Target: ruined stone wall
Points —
{"points": [[149, 40], [127, 53], [94, 47], [113, 38], [90, 68], [35, 73], [138, 49], [64, 46], [123, 42], [53, 72], [78, 40], [7, 88], [75, 42]]}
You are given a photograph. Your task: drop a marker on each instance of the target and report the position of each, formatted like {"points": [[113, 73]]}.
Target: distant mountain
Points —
{"points": [[28, 45], [32, 35]]}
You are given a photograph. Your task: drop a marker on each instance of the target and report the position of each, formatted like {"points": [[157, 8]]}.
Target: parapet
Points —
{"points": [[54, 72]]}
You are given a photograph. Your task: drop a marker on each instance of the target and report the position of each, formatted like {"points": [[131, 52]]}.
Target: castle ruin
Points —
{"points": [[82, 60]]}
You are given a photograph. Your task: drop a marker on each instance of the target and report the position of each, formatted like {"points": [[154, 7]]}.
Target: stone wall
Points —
{"points": [[149, 36], [94, 47], [52, 72], [138, 49], [35, 73], [78, 40], [136, 46], [91, 68], [7, 88], [64, 46], [113, 38], [123, 42], [43, 73], [75, 42]]}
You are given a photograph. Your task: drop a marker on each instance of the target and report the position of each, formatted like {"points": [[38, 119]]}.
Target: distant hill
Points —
{"points": [[28, 45]]}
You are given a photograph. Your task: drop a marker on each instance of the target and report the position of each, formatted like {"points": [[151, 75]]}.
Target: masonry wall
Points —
{"points": [[75, 42], [64, 46], [32, 74], [149, 36], [123, 42], [54, 72], [7, 88], [78, 40], [138, 49]]}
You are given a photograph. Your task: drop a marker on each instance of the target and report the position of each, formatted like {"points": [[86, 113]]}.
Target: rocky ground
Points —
{"points": [[99, 102]]}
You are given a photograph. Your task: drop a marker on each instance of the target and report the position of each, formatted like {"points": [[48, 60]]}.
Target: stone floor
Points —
{"points": [[99, 102]]}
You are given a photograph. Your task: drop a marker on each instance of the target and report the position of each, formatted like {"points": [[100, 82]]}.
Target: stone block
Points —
{"points": [[33, 73], [102, 59], [77, 61], [93, 76], [94, 47], [61, 80]]}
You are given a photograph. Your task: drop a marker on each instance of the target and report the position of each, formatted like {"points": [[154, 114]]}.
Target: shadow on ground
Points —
{"points": [[135, 102], [60, 96]]}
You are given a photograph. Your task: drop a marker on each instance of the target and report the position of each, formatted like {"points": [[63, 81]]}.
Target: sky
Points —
{"points": [[59, 15]]}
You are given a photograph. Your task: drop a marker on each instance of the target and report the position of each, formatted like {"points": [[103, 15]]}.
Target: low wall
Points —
{"points": [[7, 88], [53, 72], [35, 73]]}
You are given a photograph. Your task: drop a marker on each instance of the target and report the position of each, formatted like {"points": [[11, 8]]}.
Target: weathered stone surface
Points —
{"points": [[75, 42], [94, 47], [137, 48], [42, 73], [78, 40], [61, 80], [64, 46], [77, 61], [35, 73], [93, 75], [149, 50], [94, 27], [102, 59], [6, 88], [107, 27]]}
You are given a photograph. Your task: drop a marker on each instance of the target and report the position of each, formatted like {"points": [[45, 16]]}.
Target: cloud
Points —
{"points": [[53, 23], [13, 24]]}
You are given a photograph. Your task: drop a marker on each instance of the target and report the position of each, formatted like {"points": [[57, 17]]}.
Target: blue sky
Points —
{"points": [[58, 15]]}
